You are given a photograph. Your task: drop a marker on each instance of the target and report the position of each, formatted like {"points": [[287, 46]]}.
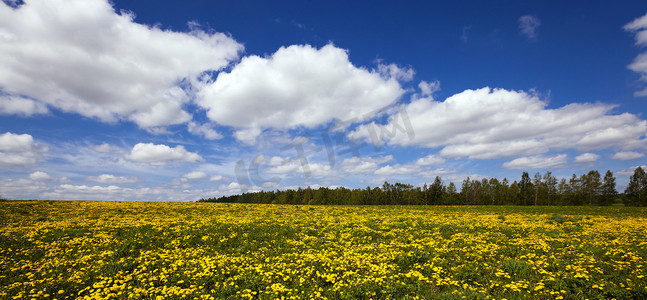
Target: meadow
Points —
{"points": [[122, 250]]}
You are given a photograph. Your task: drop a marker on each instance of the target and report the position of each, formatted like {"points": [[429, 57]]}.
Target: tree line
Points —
{"points": [[542, 189]]}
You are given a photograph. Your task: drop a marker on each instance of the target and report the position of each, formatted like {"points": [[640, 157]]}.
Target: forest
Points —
{"points": [[542, 189]]}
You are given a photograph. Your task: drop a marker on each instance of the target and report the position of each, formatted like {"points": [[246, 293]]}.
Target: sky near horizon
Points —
{"points": [[179, 100]]}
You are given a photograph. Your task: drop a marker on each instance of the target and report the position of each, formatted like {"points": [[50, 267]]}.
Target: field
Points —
{"points": [[113, 250]]}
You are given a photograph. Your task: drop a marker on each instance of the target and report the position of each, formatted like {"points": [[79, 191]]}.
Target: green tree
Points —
{"points": [[564, 191], [452, 194], [550, 185], [636, 192], [537, 182], [436, 191], [591, 186], [609, 192], [525, 188], [576, 195]]}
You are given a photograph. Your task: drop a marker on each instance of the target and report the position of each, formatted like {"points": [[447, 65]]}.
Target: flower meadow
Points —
{"points": [[125, 250]]}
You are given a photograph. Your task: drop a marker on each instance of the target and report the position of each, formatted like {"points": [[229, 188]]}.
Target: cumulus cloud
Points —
{"points": [[495, 123], [40, 175], [204, 130], [16, 142], [296, 86], [112, 179], [587, 158], [429, 160], [105, 148], [639, 26], [394, 71], [161, 154], [627, 155], [536, 162], [22, 188], [11, 105], [81, 56], [363, 165], [397, 170], [629, 171], [528, 26], [195, 175], [639, 64], [19, 149], [427, 89], [216, 178]]}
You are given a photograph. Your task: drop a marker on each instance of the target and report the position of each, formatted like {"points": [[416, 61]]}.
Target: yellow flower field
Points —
{"points": [[121, 250]]}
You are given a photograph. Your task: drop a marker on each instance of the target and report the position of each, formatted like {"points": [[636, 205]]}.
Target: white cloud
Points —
{"points": [[394, 71], [639, 25], [495, 149], [39, 175], [105, 148], [627, 155], [19, 149], [161, 154], [639, 64], [217, 178], [204, 130], [429, 160], [296, 86], [16, 142], [110, 68], [10, 105], [536, 162], [528, 25], [427, 89], [22, 188], [629, 171], [587, 158], [437, 172], [397, 170], [494, 123], [112, 179], [247, 136], [195, 175], [363, 165]]}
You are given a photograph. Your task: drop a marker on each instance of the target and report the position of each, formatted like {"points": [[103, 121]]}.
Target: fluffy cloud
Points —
{"points": [[629, 171], [81, 56], [10, 105], [296, 86], [22, 188], [204, 130], [528, 26], [195, 175], [429, 160], [217, 178], [106, 148], [39, 175], [363, 165], [428, 89], [161, 154], [112, 179], [19, 149], [627, 155], [494, 123], [536, 162], [586, 158], [394, 71], [16, 142], [397, 170], [639, 65]]}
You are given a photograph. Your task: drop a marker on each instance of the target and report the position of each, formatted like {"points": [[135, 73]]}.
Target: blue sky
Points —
{"points": [[178, 100]]}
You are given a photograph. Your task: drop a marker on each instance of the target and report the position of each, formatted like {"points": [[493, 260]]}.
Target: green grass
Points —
{"points": [[127, 250]]}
